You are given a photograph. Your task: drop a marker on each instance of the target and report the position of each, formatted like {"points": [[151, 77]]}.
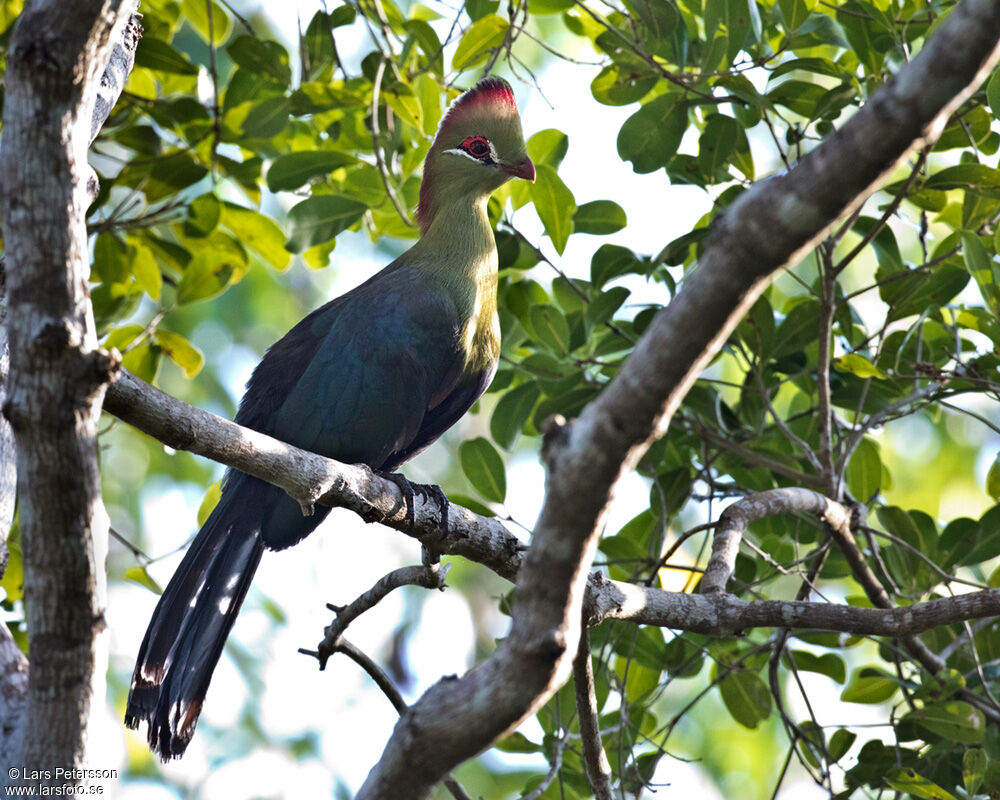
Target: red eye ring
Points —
{"points": [[477, 147]]}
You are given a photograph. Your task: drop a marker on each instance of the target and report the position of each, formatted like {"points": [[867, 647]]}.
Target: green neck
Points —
{"points": [[459, 250]]}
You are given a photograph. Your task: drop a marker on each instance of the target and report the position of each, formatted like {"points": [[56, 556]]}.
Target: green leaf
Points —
{"points": [[143, 361], [617, 86], [840, 743], [268, 118], [111, 263], [550, 328], [957, 542], [548, 146], [159, 56], [181, 351], [658, 18], [907, 780], [869, 685], [858, 365], [734, 19], [864, 470], [717, 144], [204, 214], [429, 43], [262, 57], [829, 664], [984, 269], [794, 12], [12, 581], [484, 468], [195, 13], [292, 170], [258, 233], [143, 578], [517, 742], [993, 479], [512, 410], [145, 271], [599, 217], [651, 136], [977, 178], [475, 506], [797, 329], [611, 261], [954, 721], [208, 274], [993, 94], [320, 219], [974, 763], [913, 293], [484, 34], [555, 205], [603, 307], [746, 696], [208, 503]]}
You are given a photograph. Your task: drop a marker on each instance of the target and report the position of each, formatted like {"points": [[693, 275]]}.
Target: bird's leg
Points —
{"points": [[426, 491]]}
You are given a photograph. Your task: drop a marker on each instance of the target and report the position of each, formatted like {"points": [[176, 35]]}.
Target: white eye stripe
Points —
{"points": [[458, 151], [461, 152]]}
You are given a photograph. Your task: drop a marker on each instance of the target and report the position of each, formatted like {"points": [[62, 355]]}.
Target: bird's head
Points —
{"points": [[479, 147]]}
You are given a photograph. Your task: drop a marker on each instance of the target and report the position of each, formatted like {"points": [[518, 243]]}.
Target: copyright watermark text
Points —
{"points": [[57, 782]]}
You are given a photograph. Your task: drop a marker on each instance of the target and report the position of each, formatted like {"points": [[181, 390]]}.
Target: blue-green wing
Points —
{"points": [[388, 356]]}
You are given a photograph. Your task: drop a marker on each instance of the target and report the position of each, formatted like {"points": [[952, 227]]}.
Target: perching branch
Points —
{"points": [[487, 541]]}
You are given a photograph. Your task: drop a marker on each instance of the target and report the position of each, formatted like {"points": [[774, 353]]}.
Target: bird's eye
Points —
{"points": [[476, 146]]}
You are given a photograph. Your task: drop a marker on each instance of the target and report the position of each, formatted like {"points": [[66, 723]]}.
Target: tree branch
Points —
{"points": [[377, 674], [486, 541], [57, 55], [430, 576], [595, 760], [767, 227], [735, 519]]}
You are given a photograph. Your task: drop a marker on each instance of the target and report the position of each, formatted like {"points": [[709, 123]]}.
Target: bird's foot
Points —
{"points": [[429, 490], [426, 491]]}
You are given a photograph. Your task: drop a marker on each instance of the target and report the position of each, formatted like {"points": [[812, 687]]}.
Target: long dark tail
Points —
{"points": [[189, 627]]}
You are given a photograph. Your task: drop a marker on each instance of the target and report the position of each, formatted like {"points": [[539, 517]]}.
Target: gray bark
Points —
{"points": [[56, 58], [485, 540]]}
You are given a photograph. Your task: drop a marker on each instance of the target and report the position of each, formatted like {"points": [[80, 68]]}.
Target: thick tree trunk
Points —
{"points": [[56, 57]]}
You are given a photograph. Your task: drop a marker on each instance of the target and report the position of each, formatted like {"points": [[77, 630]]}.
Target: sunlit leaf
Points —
{"points": [[320, 219], [910, 781], [482, 35], [555, 205], [484, 468]]}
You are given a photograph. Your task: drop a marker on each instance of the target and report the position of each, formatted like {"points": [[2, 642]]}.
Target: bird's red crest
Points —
{"points": [[489, 92]]}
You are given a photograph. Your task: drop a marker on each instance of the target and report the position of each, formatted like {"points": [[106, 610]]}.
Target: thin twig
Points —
{"points": [[428, 576], [595, 760], [384, 682], [379, 160]]}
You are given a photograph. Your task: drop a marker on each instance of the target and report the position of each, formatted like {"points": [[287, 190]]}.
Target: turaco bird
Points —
{"points": [[373, 376]]}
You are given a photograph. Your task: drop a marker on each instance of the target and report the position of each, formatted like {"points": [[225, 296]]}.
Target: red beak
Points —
{"points": [[522, 169]]}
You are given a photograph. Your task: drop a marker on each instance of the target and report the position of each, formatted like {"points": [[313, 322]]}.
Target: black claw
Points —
{"points": [[407, 490], [426, 491], [429, 490]]}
